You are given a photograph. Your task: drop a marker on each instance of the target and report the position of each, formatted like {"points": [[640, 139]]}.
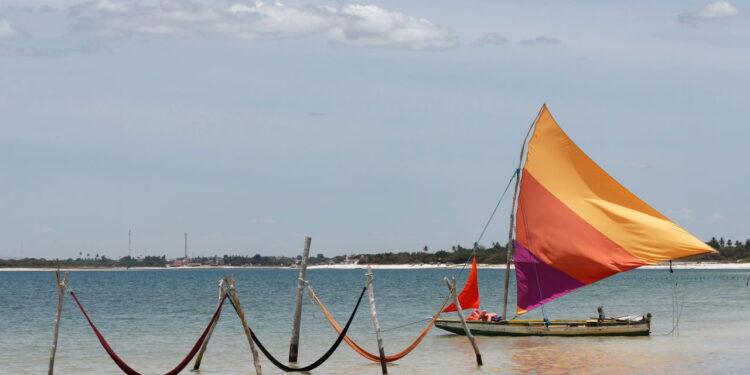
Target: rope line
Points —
{"points": [[362, 351], [489, 220], [129, 370], [320, 360]]}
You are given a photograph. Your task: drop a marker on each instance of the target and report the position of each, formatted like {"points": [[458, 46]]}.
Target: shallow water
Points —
{"points": [[152, 318]]}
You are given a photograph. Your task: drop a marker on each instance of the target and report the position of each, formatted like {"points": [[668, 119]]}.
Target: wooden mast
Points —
{"points": [[511, 241]]}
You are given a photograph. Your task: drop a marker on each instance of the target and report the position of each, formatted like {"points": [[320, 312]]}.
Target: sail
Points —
{"points": [[469, 297], [576, 225]]}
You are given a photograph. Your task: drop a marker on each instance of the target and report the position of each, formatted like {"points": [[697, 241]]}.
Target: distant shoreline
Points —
{"points": [[676, 265]]}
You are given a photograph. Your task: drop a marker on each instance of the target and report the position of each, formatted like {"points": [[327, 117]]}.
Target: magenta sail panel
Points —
{"points": [[537, 282]]}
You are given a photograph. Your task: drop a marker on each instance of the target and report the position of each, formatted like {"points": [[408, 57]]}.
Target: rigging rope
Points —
{"points": [[320, 360], [129, 370], [362, 351], [489, 220]]}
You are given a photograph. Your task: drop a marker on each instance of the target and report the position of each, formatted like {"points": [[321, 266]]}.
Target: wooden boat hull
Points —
{"points": [[593, 327]]}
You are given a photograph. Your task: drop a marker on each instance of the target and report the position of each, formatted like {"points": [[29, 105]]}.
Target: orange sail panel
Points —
{"points": [[576, 225], [469, 297]]}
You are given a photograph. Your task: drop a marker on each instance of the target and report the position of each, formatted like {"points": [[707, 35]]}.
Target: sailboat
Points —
{"points": [[571, 225]]}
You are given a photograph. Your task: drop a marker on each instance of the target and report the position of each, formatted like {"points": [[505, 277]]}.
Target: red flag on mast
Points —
{"points": [[469, 297]]}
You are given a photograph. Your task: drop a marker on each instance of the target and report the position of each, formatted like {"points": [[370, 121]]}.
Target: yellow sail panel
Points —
{"points": [[579, 183]]}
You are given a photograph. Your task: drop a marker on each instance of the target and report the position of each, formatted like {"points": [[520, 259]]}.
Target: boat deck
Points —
{"points": [[537, 327]]}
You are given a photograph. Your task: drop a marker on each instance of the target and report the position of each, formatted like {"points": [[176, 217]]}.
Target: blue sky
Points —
{"points": [[370, 126]]}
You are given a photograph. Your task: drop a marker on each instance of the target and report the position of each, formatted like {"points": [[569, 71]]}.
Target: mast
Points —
{"points": [[511, 241]]}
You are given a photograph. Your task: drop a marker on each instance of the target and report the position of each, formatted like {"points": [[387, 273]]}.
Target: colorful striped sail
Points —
{"points": [[576, 225]]}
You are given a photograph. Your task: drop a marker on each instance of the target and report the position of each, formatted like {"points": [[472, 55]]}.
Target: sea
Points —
{"points": [[701, 322]]}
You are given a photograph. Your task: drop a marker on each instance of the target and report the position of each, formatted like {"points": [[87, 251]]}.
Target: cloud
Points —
{"points": [[354, 25], [711, 12], [637, 165], [491, 39], [6, 30], [682, 214], [370, 25], [540, 40], [44, 230], [12, 51], [716, 217]]}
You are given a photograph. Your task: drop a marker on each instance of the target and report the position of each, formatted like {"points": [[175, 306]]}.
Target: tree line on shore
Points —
{"points": [[727, 251]]}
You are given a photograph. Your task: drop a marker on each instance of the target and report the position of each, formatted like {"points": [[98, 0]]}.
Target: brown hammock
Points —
{"points": [[365, 353]]}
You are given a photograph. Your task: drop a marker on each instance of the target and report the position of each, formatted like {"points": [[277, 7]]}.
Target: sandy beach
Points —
{"points": [[676, 265]]}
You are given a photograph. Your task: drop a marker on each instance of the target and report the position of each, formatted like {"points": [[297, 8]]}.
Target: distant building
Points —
{"points": [[352, 259]]}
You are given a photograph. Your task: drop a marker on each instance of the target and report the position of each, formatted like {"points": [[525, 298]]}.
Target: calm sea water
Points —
{"points": [[152, 318]]}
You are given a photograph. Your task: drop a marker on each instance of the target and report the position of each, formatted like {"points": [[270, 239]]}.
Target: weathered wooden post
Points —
{"points": [[294, 346], [199, 358], [233, 295], [375, 322], [452, 287], [61, 285]]}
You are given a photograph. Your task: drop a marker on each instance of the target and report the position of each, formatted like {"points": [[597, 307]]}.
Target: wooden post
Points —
{"points": [[61, 285], [233, 295], [294, 345], [199, 358], [452, 288], [375, 322]]}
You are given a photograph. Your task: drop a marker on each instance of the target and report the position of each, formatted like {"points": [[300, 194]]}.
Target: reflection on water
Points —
{"points": [[586, 355]]}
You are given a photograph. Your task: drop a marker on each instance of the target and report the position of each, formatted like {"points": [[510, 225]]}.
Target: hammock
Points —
{"points": [[129, 370], [362, 351], [320, 360]]}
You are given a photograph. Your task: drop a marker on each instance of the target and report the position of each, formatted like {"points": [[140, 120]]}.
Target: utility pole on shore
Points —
{"points": [[186, 246], [130, 242]]}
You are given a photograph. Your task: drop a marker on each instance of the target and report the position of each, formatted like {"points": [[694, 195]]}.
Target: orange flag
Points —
{"points": [[469, 297]]}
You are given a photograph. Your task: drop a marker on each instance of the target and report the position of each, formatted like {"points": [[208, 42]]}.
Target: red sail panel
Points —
{"points": [[469, 297], [559, 237]]}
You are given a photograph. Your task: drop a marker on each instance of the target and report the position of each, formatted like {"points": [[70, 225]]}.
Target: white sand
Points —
{"points": [[676, 265]]}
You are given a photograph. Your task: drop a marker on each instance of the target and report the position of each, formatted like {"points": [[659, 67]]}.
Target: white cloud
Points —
{"points": [[716, 217], [355, 25], [540, 40], [6, 31], [682, 214], [370, 25], [491, 39], [711, 12]]}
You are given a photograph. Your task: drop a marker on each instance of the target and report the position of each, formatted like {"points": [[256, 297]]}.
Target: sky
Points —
{"points": [[370, 126]]}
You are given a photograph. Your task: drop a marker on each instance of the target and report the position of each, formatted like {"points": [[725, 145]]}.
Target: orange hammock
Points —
{"points": [[365, 353]]}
